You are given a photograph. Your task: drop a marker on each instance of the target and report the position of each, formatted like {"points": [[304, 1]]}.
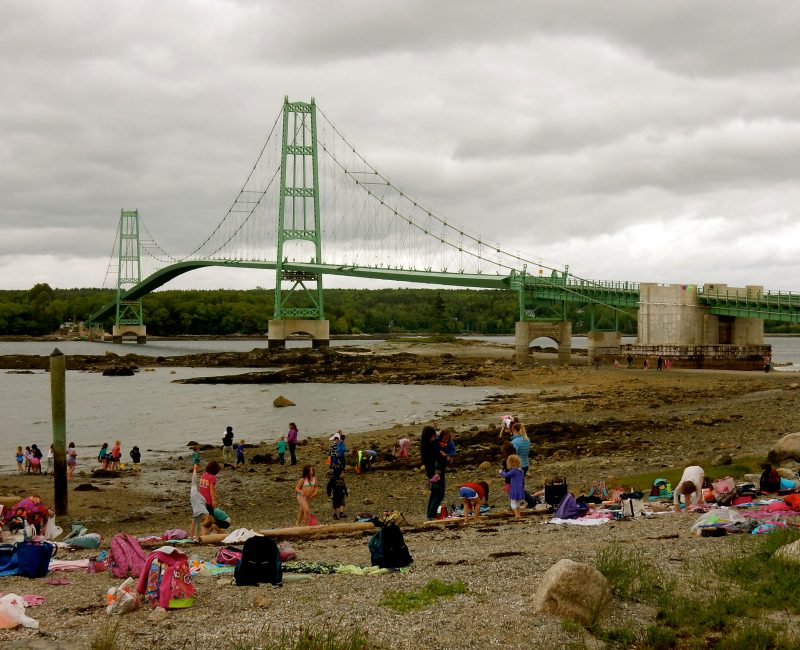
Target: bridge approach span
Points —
{"points": [[161, 277]]}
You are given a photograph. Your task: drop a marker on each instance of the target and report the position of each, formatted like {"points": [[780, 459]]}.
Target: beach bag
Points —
{"points": [[34, 558], [569, 508], [260, 563], [228, 555], [9, 561], [555, 489], [165, 580], [632, 507], [126, 557], [723, 486], [388, 549]]}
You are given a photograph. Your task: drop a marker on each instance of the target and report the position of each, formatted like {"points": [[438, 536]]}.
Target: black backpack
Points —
{"points": [[260, 563], [555, 489], [387, 548]]}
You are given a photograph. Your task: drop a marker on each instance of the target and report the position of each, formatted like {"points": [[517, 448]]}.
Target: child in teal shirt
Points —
{"points": [[281, 445], [195, 458]]}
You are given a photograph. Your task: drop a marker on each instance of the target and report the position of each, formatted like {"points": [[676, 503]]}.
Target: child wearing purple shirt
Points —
{"points": [[516, 493]]}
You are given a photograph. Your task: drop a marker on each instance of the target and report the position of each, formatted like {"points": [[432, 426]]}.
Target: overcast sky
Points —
{"points": [[651, 142]]}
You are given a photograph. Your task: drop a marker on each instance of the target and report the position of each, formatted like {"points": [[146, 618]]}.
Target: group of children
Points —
{"points": [[29, 460], [112, 459]]}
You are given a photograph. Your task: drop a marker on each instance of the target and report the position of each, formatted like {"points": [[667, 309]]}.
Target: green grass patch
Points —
{"points": [[643, 481], [405, 601], [331, 639], [631, 574], [106, 637]]}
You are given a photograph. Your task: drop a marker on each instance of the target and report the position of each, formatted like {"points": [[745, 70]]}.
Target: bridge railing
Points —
{"points": [[751, 296], [697, 351]]}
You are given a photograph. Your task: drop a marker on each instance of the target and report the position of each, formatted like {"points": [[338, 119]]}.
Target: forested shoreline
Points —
{"points": [[43, 310]]}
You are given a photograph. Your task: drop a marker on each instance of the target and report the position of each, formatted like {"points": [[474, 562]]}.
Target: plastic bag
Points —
{"points": [[51, 531], [718, 517], [12, 613], [122, 599]]}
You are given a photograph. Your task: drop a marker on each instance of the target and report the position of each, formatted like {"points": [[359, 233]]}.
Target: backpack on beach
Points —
{"points": [[166, 581], [260, 563], [126, 557], [555, 489], [387, 548]]}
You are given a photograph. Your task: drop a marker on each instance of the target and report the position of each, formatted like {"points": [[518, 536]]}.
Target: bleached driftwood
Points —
{"points": [[299, 531]]}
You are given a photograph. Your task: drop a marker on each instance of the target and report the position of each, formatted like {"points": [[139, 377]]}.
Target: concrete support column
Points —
{"points": [[522, 339], [602, 343], [564, 342], [279, 330], [119, 332]]}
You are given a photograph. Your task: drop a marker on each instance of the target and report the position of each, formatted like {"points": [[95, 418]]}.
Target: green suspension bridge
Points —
{"points": [[310, 186]]}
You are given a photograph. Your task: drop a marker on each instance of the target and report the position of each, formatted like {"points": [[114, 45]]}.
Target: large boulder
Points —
{"points": [[280, 401], [789, 553], [787, 448], [573, 590]]}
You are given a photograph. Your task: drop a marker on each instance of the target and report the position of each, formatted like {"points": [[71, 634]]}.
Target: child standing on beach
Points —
{"points": [[72, 460], [50, 455], [28, 459], [103, 457], [116, 455], [136, 457], [240, 453], [337, 490], [281, 446], [516, 492], [305, 490], [20, 460]]}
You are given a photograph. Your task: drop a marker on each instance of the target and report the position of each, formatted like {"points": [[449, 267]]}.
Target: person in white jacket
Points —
{"points": [[690, 486]]}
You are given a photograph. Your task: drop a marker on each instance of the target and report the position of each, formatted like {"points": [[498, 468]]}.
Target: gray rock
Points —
{"points": [[787, 448], [722, 459], [573, 590]]}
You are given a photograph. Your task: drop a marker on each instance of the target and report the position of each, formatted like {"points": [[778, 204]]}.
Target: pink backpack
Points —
{"points": [[126, 557], [166, 581]]}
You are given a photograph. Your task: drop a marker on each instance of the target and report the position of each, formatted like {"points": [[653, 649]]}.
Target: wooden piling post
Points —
{"points": [[59, 410]]}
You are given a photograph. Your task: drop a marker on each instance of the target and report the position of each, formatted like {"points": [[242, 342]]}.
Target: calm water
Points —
{"points": [[151, 411], [156, 414]]}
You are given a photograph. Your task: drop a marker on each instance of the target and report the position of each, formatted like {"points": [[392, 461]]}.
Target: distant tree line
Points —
{"points": [[42, 310]]}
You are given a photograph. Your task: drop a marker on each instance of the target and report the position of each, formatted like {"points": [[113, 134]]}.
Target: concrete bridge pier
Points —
{"points": [[119, 332], [279, 330], [602, 343], [559, 331]]}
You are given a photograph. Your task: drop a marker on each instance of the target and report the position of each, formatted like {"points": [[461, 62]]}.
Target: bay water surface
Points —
{"points": [[160, 416]]}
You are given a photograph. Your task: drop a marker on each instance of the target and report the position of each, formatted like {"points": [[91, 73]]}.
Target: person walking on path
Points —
{"points": [[227, 447], [291, 441]]}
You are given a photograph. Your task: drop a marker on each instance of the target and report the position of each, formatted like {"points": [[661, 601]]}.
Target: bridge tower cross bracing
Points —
{"points": [[299, 305], [128, 319]]}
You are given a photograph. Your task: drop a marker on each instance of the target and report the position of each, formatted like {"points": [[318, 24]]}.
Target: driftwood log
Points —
{"points": [[298, 531], [492, 515]]}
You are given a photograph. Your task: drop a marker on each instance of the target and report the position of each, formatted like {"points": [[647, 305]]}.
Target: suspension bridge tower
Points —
{"points": [[299, 307], [128, 318]]}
